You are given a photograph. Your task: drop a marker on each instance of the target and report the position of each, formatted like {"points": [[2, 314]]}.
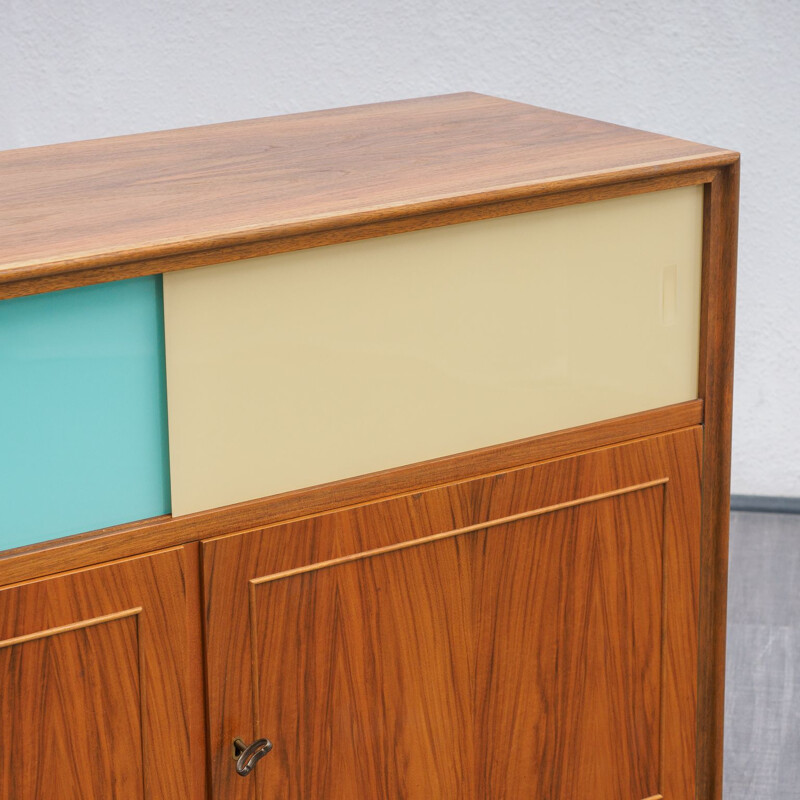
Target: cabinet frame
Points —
{"points": [[717, 169]]}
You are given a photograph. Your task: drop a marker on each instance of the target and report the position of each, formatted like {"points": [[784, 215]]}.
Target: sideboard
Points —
{"points": [[380, 452]]}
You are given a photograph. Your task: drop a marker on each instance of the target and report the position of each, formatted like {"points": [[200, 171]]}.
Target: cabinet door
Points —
{"points": [[93, 693], [530, 634]]}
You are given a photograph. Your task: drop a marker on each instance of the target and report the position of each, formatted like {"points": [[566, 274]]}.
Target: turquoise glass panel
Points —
{"points": [[83, 413]]}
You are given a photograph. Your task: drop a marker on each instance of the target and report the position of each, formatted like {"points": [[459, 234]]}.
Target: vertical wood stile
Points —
{"points": [[716, 390]]}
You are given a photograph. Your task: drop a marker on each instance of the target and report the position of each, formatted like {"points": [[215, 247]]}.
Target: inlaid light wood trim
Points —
{"points": [[74, 626], [479, 526]]}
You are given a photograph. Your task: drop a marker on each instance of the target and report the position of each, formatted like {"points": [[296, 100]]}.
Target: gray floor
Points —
{"points": [[762, 692]]}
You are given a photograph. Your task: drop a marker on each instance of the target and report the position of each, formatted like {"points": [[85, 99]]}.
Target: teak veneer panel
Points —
{"points": [[481, 639], [94, 699], [109, 202], [87, 674]]}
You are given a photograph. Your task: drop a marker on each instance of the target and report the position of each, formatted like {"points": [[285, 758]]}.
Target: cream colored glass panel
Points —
{"points": [[301, 368]]}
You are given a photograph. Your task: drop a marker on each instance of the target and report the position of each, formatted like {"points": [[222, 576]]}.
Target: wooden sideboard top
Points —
{"points": [[99, 210]]}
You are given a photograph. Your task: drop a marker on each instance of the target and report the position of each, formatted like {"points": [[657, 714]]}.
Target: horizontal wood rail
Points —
{"points": [[121, 541]]}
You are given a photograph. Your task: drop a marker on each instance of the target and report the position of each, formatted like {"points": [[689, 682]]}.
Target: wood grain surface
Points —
{"points": [[120, 541], [88, 675], [429, 646], [55, 279], [94, 703], [716, 387], [110, 202]]}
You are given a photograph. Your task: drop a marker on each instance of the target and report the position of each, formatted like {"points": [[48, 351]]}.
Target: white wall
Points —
{"points": [[724, 73]]}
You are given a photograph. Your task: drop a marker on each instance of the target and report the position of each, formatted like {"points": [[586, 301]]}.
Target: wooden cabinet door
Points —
{"points": [[93, 691], [530, 634]]}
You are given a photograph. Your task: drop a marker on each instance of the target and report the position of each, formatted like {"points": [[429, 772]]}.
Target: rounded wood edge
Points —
{"points": [[95, 547], [152, 259]]}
